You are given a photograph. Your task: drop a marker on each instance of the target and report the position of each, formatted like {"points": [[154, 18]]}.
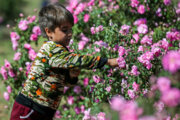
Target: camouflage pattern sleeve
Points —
{"points": [[62, 58]]}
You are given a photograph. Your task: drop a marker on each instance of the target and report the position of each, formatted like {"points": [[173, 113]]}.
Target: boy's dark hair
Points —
{"points": [[52, 16]]}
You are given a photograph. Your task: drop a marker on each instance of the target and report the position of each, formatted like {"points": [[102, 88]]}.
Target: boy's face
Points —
{"points": [[62, 34]]}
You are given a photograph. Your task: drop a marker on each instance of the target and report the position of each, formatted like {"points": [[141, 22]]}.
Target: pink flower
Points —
{"points": [[173, 36], [93, 31], [36, 30], [134, 3], [163, 84], [143, 28], [23, 25], [6, 96], [167, 2], [14, 45], [14, 36], [77, 89], [156, 51], [101, 116], [140, 49], [81, 45], [77, 110], [86, 18], [86, 81], [31, 19], [96, 78], [121, 62], [27, 46], [108, 89], [136, 37], [121, 51], [130, 111], [101, 44], [33, 37], [7, 64], [117, 103], [135, 71], [164, 44], [159, 106], [135, 86], [141, 9], [171, 61], [57, 114], [87, 114], [146, 40], [65, 89], [124, 29], [9, 89], [70, 100], [11, 73], [4, 73], [171, 97], [17, 56], [131, 93], [75, 19], [99, 28], [140, 21], [32, 54], [80, 8], [147, 118]]}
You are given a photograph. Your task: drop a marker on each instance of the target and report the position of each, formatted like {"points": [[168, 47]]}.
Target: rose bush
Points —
{"points": [[141, 33]]}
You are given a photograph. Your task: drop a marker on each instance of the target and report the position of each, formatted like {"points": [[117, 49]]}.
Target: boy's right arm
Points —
{"points": [[62, 58]]}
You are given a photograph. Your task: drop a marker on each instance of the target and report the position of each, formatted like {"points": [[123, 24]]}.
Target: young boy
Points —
{"points": [[53, 68]]}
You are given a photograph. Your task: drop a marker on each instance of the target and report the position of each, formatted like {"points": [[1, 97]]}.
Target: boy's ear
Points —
{"points": [[48, 32]]}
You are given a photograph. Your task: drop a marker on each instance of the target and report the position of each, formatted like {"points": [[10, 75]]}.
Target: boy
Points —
{"points": [[53, 68]]}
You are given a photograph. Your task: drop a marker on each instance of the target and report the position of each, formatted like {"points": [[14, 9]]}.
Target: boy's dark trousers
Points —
{"points": [[25, 109]]}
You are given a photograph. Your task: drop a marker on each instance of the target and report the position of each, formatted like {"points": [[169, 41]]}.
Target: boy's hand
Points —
{"points": [[74, 72], [112, 62]]}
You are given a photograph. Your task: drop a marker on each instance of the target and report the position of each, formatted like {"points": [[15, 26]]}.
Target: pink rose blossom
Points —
{"points": [[4, 73], [81, 45], [87, 114], [75, 19], [36, 30], [14, 45], [164, 44], [135, 86], [6, 96], [101, 116], [124, 29], [57, 114], [86, 18], [140, 21], [70, 100], [32, 54], [77, 110], [14, 36], [117, 103], [143, 28], [33, 37], [7, 64], [96, 78], [9, 89], [171, 61], [93, 31], [121, 62], [31, 19], [146, 40], [80, 8], [17, 56], [27, 46], [108, 89], [11, 73], [131, 93], [86, 81], [136, 37], [141, 9], [77, 89], [171, 97], [121, 51], [167, 2], [134, 3], [140, 49], [23, 25], [159, 106], [163, 84], [156, 51], [135, 71]]}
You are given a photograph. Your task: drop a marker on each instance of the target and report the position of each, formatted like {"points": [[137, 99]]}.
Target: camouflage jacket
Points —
{"points": [[50, 73]]}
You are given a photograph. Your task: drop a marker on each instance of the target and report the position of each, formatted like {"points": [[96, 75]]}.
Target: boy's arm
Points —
{"points": [[62, 58]]}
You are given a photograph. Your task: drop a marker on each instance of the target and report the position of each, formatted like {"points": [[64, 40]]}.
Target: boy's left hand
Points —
{"points": [[74, 72]]}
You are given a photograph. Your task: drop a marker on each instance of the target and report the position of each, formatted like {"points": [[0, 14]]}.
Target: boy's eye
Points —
{"points": [[66, 30]]}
